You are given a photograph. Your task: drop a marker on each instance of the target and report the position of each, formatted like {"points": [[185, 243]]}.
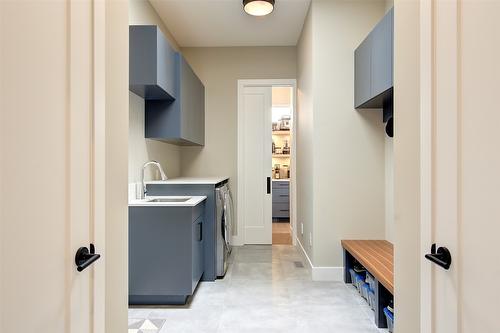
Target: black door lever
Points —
{"points": [[84, 258], [441, 256]]}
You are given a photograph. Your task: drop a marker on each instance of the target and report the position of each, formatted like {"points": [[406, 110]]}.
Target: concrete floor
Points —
{"points": [[265, 290]]}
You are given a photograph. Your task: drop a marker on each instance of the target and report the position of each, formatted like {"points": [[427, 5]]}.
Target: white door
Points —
{"points": [[51, 203], [461, 50], [256, 201]]}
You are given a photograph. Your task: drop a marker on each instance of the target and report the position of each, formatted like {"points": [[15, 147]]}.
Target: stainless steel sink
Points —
{"points": [[169, 199]]}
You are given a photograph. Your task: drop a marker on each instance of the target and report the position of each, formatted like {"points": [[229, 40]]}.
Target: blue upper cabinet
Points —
{"points": [[181, 122], [362, 72], [174, 95], [373, 65], [151, 63]]}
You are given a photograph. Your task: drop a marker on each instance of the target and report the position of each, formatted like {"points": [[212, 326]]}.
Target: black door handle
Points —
{"points": [[268, 185], [84, 258], [441, 256]]}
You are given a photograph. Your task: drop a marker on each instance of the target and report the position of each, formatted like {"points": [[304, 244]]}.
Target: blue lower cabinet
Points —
{"points": [[209, 222], [281, 210], [166, 257], [281, 199]]}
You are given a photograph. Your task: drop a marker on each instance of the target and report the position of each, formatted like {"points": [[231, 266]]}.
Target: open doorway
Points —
{"points": [[266, 164], [281, 157]]}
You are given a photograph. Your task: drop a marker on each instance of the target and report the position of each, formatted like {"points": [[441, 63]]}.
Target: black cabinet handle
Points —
{"points": [[441, 256], [268, 185], [84, 258]]}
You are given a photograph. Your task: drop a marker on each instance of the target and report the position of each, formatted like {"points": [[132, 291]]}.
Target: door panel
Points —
{"points": [[479, 218], [465, 163], [48, 105], [257, 161], [445, 199]]}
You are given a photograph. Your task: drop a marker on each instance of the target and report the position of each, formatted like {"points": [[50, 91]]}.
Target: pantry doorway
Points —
{"points": [[266, 162]]}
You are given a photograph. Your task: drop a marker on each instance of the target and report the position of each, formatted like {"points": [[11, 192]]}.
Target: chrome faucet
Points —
{"points": [[163, 175]]}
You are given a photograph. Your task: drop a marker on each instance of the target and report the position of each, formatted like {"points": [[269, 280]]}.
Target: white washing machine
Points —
{"points": [[224, 221]]}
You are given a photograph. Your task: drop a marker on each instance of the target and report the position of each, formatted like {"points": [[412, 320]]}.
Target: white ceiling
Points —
{"points": [[203, 23]]}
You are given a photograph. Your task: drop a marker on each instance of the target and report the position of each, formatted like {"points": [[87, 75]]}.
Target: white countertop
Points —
{"points": [[190, 180], [193, 201]]}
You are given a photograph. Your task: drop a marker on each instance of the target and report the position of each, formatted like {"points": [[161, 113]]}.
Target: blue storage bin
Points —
{"points": [[370, 280], [359, 281], [365, 289], [390, 319], [371, 299], [353, 276]]}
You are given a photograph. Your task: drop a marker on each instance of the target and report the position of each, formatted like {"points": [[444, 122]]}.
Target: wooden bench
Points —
{"points": [[377, 256]]}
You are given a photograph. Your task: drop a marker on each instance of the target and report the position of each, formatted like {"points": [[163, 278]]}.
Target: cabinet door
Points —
{"points": [[197, 255], [192, 105], [151, 63], [281, 210], [166, 63], [182, 121], [362, 72], [281, 184], [381, 63], [281, 195]]}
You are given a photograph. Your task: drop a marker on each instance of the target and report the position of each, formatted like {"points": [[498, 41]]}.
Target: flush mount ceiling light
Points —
{"points": [[258, 7]]}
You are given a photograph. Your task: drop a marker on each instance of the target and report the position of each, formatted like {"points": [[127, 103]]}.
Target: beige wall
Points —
{"points": [[142, 150], [389, 173], [407, 166], [305, 131], [389, 189], [389, 4], [348, 145], [219, 69]]}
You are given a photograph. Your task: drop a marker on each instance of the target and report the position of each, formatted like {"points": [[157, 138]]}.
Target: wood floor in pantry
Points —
{"points": [[282, 234]]}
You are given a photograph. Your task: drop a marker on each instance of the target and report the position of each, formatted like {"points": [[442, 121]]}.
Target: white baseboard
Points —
{"points": [[237, 241], [321, 273], [304, 253], [328, 274]]}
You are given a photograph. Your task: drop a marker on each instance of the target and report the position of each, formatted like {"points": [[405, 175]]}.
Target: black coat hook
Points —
{"points": [[84, 258], [441, 256]]}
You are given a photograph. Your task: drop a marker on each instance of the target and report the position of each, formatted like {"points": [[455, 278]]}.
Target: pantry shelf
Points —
{"points": [[281, 132]]}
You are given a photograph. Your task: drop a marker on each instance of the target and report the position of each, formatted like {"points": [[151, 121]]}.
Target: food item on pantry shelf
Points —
{"points": [[276, 171], [286, 148], [285, 122], [286, 171]]}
